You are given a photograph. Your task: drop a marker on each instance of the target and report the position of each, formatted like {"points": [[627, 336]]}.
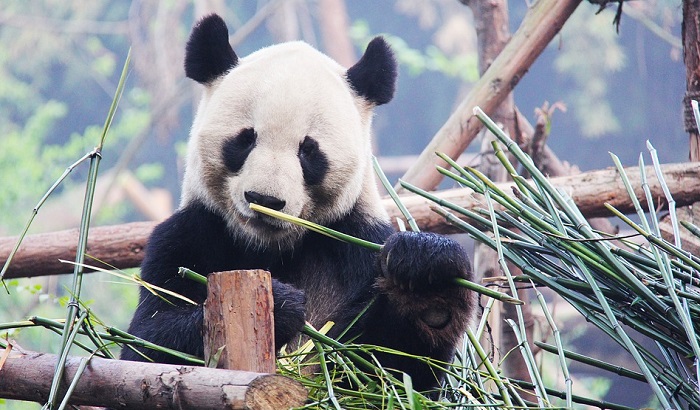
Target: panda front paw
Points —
{"points": [[290, 312], [417, 277], [423, 262]]}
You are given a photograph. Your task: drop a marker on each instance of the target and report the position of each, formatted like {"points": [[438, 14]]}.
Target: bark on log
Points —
{"points": [[137, 385], [238, 315], [542, 22], [38, 255]]}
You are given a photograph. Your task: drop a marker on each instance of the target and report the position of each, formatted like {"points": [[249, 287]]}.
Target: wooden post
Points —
{"points": [[238, 315]]}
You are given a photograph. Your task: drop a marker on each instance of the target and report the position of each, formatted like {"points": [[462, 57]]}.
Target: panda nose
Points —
{"points": [[264, 200]]}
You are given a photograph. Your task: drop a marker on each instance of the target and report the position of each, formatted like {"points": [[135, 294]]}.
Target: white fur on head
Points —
{"points": [[285, 93]]}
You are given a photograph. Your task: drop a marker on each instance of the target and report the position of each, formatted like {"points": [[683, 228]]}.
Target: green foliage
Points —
{"points": [[45, 95], [590, 53], [432, 59], [150, 172]]}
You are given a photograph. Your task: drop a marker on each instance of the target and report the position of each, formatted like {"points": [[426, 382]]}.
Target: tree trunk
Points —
{"points": [[137, 385], [123, 245]]}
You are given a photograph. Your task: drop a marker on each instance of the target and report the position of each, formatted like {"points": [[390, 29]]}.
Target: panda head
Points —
{"points": [[285, 127]]}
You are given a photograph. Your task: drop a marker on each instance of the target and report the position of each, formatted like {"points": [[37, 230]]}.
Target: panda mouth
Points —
{"points": [[262, 224], [266, 223]]}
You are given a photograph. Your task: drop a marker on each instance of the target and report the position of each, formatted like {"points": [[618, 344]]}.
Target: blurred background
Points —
{"points": [[60, 62]]}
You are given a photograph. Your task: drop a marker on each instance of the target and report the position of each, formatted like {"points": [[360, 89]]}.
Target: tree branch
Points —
{"points": [[542, 22]]}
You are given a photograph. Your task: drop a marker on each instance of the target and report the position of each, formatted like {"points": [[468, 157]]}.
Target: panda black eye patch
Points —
{"points": [[236, 150], [314, 163]]}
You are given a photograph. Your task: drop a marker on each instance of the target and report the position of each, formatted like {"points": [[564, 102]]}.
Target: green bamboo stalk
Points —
{"points": [[575, 398], [682, 309], [392, 193], [589, 255], [123, 337], [82, 239], [599, 364], [74, 382], [490, 369], [559, 346], [630, 190], [575, 218], [69, 333], [372, 246], [315, 335], [627, 341], [503, 158], [694, 229], [326, 375], [658, 242], [471, 182], [524, 346], [113, 335], [671, 381], [331, 233], [484, 318], [95, 338], [466, 212], [192, 275], [604, 252], [35, 211], [494, 294]]}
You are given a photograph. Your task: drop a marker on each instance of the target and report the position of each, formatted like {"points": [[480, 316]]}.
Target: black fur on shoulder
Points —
{"points": [[374, 76], [208, 54]]}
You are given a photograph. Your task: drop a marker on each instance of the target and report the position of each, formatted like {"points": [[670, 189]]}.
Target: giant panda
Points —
{"points": [[288, 128]]}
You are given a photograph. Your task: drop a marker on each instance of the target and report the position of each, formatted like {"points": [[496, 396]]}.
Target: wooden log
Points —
{"points": [[122, 245], [589, 190], [137, 385], [542, 22], [238, 316]]}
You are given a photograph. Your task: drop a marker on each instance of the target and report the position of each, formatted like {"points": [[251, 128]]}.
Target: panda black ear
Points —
{"points": [[374, 76], [208, 54]]}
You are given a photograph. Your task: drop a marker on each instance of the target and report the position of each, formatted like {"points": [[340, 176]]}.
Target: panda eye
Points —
{"points": [[246, 138], [314, 163], [308, 148], [236, 150]]}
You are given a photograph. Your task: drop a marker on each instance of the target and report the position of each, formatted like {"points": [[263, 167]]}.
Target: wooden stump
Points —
{"points": [[238, 314]]}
